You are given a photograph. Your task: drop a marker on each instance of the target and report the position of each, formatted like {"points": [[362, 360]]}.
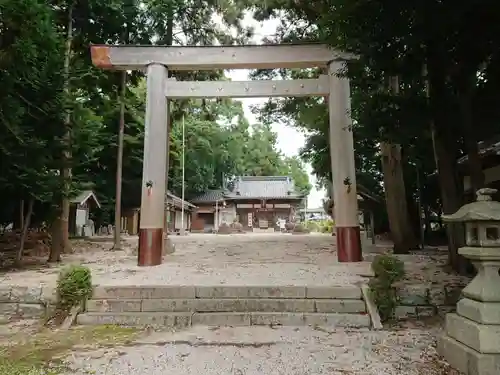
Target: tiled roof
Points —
{"points": [[209, 196], [176, 201], [491, 147], [277, 187], [247, 187]]}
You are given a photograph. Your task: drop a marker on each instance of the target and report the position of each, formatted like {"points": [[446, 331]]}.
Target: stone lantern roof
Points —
{"points": [[483, 209]]}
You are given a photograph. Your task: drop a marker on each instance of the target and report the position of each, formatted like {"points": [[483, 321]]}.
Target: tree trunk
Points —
{"points": [[26, 224], [402, 232], [466, 85], [21, 214], [55, 249], [65, 245], [395, 197], [445, 150], [119, 165]]}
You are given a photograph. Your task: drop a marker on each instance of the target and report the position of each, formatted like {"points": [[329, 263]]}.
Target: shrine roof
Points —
{"points": [[253, 187], [269, 187], [210, 196]]}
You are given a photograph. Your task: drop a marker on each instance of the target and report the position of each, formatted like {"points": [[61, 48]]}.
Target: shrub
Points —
{"points": [[74, 286], [388, 270], [327, 226], [312, 226], [300, 228]]}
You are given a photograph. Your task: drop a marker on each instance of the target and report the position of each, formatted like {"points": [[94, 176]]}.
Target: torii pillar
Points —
{"points": [[155, 165], [343, 168]]}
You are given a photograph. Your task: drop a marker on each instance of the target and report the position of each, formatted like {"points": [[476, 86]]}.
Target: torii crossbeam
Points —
{"points": [[157, 59]]}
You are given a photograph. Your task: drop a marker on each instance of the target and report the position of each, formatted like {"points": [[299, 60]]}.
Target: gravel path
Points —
{"points": [[241, 259], [268, 351], [204, 259]]}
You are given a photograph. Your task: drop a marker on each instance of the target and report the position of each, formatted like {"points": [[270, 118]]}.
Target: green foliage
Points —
{"points": [[22, 368], [388, 270], [443, 105], [326, 226], [322, 226], [74, 286], [301, 228], [312, 226], [220, 143]]}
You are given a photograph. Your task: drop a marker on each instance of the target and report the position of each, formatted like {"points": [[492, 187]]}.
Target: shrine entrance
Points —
{"points": [[156, 60]]}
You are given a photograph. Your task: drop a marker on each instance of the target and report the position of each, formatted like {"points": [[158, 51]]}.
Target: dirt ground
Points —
{"points": [[238, 259]]}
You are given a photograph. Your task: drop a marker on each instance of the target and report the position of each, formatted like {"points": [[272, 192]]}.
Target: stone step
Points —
{"points": [[227, 305], [180, 320], [188, 292]]}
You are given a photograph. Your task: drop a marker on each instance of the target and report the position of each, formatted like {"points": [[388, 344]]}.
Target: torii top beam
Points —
{"points": [[127, 57]]}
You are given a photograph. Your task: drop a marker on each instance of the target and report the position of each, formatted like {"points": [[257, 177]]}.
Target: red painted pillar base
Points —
{"points": [[150, 247], [349, 244]]}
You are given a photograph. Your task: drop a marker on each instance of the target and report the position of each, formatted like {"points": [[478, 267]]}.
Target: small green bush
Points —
{"points": [[74, 286], [388, 270], [327, 226], [300, 228], [312, 226]]}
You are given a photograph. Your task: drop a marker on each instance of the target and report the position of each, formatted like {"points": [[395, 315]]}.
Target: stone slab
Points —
{"points": [[405, 312], [426, 311], [481, 312], [179, 320], [31, 310], [226, 305], [168, 320], [221, 319], [8, 308], [371, 308], [333, 292], [414, 295], [5, 294], [229, 305], [339, 306], [337, 320], [467, 360], [250, 292], [116, 305], [482, 338], [278, 319], [26, 294], [143, 292]]}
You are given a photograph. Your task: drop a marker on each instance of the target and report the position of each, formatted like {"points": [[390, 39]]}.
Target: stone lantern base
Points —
{"points": [[471, 342]]}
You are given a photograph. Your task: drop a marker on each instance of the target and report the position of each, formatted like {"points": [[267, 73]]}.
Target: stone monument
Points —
{"points": [[471, 342]]}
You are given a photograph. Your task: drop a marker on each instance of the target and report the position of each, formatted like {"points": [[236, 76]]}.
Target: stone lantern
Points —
{"points": [[471, 342]]}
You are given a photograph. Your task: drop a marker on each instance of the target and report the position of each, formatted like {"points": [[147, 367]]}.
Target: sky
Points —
{"points": [[289, 139]]}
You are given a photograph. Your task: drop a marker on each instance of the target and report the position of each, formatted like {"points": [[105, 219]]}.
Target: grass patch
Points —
{"points": [[43, 352]]}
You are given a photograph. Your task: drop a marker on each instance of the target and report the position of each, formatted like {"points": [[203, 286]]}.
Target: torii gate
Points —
{"points": [[157, 59]]}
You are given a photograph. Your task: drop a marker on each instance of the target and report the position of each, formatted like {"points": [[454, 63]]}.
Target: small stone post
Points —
{"points": [[471, 342]]}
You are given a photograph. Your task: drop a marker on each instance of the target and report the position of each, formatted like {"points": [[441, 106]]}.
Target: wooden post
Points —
{"points": [[372, 226], [343, 169], [154, 171]]}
